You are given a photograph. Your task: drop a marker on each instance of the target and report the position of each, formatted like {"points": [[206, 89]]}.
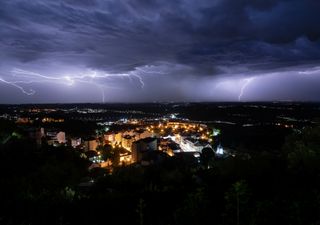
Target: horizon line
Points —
{"points": [[163, 102]]}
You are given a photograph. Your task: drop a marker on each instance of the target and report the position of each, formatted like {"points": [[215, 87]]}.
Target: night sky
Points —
{"points": [[58, 51]]}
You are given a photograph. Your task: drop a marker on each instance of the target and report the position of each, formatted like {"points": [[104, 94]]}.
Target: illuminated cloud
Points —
{"points": [[131, 50]]}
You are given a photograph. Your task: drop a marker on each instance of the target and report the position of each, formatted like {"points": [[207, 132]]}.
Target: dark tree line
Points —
{"points": [[42, 186]]}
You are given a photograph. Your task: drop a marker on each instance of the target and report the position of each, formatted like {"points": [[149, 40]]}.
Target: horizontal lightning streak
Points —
{"points": [[20, 77]]}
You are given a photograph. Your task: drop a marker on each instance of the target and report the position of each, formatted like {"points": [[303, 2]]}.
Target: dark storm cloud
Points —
{"points": [[202, 38], [202, 34]]}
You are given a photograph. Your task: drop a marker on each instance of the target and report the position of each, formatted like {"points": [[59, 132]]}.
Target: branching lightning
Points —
{"points": [[247, 81], [19, 78], [15, 84]]}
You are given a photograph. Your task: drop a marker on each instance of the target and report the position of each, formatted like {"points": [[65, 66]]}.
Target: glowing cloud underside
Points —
{"points": [[19, 78], [231, 87]]}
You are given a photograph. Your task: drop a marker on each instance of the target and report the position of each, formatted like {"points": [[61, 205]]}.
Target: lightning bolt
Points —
{"points": [[313, 71], [20, 77], [247, 81], [140, 79], [15, 84]]}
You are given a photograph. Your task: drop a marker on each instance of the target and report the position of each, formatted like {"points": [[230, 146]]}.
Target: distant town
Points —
{"points": [[140, 135], [142, 141]]}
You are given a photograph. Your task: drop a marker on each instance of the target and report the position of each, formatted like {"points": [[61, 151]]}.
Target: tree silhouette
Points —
{"points": [[237, 199]]}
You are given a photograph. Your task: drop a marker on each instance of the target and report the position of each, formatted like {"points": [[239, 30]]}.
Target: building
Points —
{"points": [[127, 142], [75, 142], [118, 138], [125, 158], [193, 145], [141, 134], [61, 137], [90, 144], [142, 146], [110, 137], [56, 138], [173, 148], [219, 150]]}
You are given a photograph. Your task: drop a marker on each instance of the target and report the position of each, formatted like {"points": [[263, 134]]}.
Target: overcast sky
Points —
{"points": [[155, 50]]}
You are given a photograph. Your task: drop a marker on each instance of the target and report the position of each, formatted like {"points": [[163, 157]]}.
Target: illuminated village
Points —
{"points": [[124, 142]]}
